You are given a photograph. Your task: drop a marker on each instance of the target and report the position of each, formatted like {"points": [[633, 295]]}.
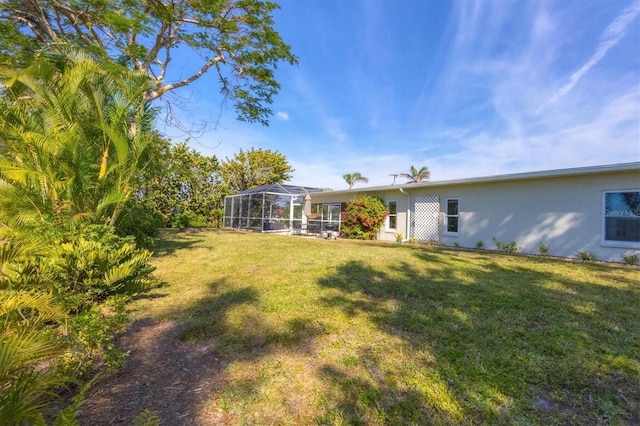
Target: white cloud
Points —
{"points": [[282, 115], [596, 125], [593, 139], [612, 35]]}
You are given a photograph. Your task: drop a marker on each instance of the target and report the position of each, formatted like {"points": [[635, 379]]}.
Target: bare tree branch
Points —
{"points": [[162, 89], [160, 42]]}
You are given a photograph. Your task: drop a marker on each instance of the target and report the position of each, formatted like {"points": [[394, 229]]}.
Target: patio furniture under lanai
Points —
{"points": [[269, 208]]}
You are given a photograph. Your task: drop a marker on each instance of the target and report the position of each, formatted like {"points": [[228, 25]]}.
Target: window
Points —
{"points": [[452, 215], [392, 218], [621, 218]]}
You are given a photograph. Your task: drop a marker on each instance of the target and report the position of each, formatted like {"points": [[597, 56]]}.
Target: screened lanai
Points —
{"points": [[268, 208]]}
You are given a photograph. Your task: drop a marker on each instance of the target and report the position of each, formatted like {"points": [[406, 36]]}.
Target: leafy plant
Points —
{"points": [[74, 138], [510, 248], [181, 180], [480, 245], [140, 221], [146, 418], [84, 267], [630, 258], [543, 249], [26, 344], [189, 219], [364, 217], [413, 239], [85, 272], [586, 256], [92, 334], [399, 237]]}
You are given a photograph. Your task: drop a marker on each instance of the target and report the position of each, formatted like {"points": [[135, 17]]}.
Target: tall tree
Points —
{"points": [[353, 178], [417, 175], [233, 38], [72, 139], [254, 168]]}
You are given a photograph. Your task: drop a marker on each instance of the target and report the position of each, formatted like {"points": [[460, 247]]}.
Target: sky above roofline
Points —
{"points": [[466, 88]]}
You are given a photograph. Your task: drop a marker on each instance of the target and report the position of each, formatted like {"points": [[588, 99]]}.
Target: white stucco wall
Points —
{"points": [[563, 213]]}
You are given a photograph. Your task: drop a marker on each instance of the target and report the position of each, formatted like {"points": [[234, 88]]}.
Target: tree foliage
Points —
{"points": [[73, 139], [184, 183], [353, 178], [248, 169], [364, 217], [417, 175], [233, 38]]}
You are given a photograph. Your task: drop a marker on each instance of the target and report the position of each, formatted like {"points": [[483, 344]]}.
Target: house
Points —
{"points": [[595, 209]]}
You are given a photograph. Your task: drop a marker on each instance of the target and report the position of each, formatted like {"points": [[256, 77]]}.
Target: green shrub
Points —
{"points": [[364, 217], [55, 324], [92, 335], [510, 248], [190, 219], [480, 245], [630, 258], [84, 268], [146, 418], [586, 256], [543, 249], [139, 221], [85, 273]]}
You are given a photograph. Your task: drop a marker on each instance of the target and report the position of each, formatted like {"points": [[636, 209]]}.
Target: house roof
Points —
{"points": [[276, 188], [612, 168]]}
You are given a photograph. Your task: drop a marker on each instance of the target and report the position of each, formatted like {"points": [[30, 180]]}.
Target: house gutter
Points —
{"points": [[408, 225]]}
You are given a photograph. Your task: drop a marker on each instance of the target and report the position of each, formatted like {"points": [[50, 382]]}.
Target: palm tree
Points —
{"points": [[74, 136], [353, 178], [417, 175]]}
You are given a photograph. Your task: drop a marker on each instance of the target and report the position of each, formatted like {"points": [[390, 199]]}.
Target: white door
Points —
{"points": [[426, 210]]}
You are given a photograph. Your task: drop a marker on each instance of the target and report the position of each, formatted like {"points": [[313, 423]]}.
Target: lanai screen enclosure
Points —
{"points": [[267, 208]]}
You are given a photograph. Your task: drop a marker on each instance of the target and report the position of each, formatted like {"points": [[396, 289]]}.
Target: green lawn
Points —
{"points": [[313, 331]]}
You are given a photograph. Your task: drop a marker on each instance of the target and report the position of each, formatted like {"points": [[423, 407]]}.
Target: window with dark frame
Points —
{"points": [[621, 217]]}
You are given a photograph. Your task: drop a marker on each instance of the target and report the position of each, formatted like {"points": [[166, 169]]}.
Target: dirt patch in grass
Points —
{"points": [[162, 373]]}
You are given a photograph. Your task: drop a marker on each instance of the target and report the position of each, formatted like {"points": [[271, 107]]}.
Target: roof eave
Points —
{"points": [[611, 168]]}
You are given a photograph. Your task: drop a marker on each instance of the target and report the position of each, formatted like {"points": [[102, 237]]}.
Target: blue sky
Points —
{"points": [[466, 88]]}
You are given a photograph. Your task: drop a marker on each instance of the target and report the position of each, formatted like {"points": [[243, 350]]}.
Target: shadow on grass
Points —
{"points": [[246, 335], [509, 344], [360, 402], [176, 242]]}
